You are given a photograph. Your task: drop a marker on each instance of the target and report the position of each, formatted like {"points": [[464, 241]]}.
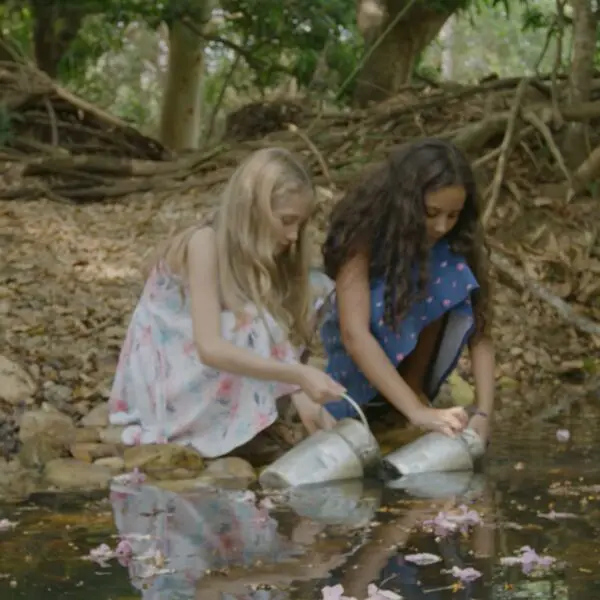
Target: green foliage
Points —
{"points": [[290, 37]]}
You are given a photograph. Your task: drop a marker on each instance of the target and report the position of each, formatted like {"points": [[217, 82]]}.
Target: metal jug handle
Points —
{"points": [[358, 409]]}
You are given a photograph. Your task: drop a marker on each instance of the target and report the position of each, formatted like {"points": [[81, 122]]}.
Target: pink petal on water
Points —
{"points": [[553, 516], [563, 435], [335, 592], [423, 558], [375, 593], [6, 525], [466, 575]]}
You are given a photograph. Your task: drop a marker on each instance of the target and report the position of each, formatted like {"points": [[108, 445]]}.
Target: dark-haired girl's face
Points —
{"points": [[442, 209]]}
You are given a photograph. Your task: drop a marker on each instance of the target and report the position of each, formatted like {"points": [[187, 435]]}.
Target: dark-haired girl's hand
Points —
{"points": [[449, 421]]}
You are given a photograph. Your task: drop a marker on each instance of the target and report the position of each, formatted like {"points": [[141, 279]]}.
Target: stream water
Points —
{"points": [[534, 491]]}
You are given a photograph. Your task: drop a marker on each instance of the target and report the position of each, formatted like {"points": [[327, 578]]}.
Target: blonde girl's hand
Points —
{"points": [[312, 415], [318, 385], [449, 421]]}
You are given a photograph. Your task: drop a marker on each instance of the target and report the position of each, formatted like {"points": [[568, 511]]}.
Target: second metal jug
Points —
{"points": [[347, 451], [435, 452]]}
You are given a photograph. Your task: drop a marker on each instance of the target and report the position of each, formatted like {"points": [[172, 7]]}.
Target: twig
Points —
{"points": [[532, 118], [580, 322], [486, 158], [294, 129], [505, 149], [588, 171], [53, 121]]}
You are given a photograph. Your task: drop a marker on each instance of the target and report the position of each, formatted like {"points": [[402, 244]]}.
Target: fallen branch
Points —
{"points": [[304, 137], [588, 171], [580, 322], [505, 149], [532, 118]]}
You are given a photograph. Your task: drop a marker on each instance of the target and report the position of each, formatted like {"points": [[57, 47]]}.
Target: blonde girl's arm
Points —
{"points": [[354, 307], [213, 350]]}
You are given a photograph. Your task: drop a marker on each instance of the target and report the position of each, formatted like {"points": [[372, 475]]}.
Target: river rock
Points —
{"points": [[97, 417], [47, 421], [16, 385], [164, 461], [112, 434], [57, 395], [92, 451], [87, 435], [70, 474], [115, 463], [16, 483], [231, 468], [36, 451]]}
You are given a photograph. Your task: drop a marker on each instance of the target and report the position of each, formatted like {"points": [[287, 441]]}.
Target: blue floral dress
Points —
{"points": [[451, 283]]}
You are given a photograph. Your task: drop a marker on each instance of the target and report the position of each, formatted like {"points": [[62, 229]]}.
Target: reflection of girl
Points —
{"points": [[379, 560], [176, 538], [189, 534]]}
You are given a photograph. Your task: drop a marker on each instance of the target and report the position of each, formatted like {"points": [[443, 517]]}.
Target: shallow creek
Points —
{"points": [[534, 491]]}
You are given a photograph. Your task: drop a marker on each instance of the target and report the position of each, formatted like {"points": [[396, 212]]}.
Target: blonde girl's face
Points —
{"points": [[290, 214]]}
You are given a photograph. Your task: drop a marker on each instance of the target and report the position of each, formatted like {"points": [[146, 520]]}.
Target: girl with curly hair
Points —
{"points": [[407, 254]]}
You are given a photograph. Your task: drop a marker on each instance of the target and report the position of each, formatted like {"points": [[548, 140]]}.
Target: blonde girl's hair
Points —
{"points": [[251, 271]]}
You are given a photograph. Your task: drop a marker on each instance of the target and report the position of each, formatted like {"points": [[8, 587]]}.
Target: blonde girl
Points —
{"points": [[209, 348]]}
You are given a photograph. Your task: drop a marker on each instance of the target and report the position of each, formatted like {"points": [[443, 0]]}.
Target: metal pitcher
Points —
{"points": [[347, 451], [346, 503], [435, 452], [462, 484]]}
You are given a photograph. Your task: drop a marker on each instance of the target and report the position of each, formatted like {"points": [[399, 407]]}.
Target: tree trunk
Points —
{"points": [[447, 35], [180, 123], [55, 27], [391, 63], [585, 24]]}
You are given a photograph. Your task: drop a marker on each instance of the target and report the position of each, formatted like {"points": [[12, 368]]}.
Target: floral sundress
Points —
{"points": [[163, 393]]}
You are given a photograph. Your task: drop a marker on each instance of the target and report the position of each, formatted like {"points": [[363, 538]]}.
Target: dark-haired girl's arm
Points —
{"points": [[483, 362], [354, 307]]}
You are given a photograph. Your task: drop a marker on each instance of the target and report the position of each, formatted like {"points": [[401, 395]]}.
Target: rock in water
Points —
{"points": [[164, 461], [70, 474]]}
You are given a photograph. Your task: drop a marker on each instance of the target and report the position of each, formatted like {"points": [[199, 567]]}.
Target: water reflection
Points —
{"points": [[208, 540], [223, 545], [382, 558]]}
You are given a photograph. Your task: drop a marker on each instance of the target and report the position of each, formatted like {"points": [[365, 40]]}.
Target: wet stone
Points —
{"points": [[164, 461], [111, 434], [91, 451], [36, 451], [97, 417], [71, 474], [115, 463], [87, 435]]}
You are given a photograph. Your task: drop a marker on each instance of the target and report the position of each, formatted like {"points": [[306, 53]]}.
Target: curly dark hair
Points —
{"points": [[385, 215]]}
